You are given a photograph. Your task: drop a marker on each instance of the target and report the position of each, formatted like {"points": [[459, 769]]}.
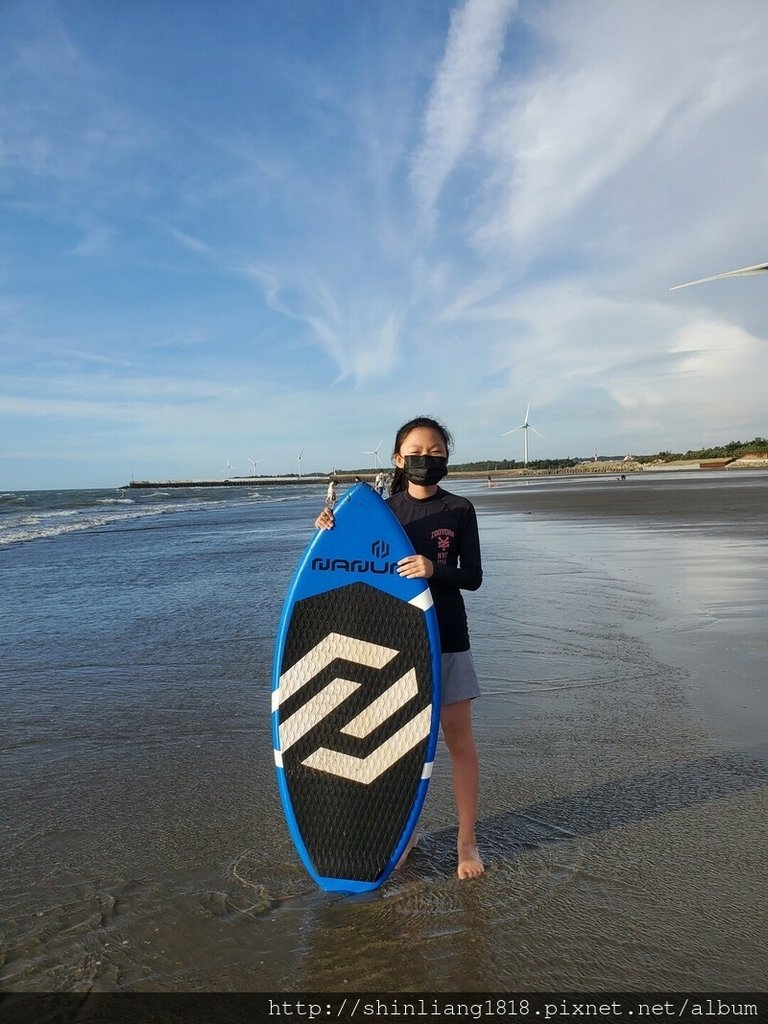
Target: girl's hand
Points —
{"points": [[415, 567], [325, 520]]}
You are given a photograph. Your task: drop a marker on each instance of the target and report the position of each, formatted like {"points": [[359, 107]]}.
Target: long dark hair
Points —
{"points": [[399, 482]]}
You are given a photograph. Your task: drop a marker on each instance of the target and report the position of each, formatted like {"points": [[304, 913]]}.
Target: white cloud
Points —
{"points": [[359, 332], [470, 62], [634, 143], [617, 83], [188, 241], [95, 241]]}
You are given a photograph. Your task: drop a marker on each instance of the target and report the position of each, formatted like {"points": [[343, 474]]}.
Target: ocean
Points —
{"points": [[621, 734]]}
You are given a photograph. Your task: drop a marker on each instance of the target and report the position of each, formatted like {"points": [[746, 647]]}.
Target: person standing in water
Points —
{"points": [[442, 528]]}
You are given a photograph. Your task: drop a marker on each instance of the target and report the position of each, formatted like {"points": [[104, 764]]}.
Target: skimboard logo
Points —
{"points": [[379, 549], [357, 769]]}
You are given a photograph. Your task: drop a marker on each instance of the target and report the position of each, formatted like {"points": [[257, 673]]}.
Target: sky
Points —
{"points": [[243, 230]]}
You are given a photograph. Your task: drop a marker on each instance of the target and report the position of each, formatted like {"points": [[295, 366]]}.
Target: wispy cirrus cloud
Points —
{"points": [[62, 120], [456, 101], [187, 241], [360, 335], [95, 241], [615, 96]]}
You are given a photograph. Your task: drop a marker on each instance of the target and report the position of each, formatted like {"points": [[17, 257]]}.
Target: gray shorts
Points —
{"points": [[459, 677]]}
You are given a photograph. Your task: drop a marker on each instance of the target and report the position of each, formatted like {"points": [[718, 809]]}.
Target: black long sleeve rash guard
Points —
{"points": [[443, 528]]}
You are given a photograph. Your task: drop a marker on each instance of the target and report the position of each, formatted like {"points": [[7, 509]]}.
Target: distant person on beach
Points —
{"points": [[443, 530], [330, 497], [380, 484], [490, 481]]}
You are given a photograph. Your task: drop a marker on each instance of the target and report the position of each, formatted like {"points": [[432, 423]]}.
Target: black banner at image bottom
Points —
{"points": [[257, 1007]]}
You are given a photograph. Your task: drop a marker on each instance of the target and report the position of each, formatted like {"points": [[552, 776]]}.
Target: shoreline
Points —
{"points": [[608, 468]]}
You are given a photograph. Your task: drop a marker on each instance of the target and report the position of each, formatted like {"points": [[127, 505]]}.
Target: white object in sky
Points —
{"points": [[298, 459], [744, 272], [230, 467], [375, 453], [254, 463], [525, 426]]}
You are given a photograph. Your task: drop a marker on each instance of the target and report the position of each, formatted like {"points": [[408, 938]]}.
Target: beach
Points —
{"points": [[726, 502], [620, 640]]}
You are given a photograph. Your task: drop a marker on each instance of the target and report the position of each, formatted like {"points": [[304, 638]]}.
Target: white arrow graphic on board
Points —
{"points": [[335, 645], [366, 769]]}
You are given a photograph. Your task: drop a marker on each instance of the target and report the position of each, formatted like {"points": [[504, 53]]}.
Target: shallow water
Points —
{"points": [[624, 782]]}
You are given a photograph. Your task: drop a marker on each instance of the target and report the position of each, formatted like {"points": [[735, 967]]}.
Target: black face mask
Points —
{"points": [[425, 470]]}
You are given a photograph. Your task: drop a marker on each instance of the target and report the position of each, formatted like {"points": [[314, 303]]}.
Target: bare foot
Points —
{"points": [[413, 841], [470, 864]]}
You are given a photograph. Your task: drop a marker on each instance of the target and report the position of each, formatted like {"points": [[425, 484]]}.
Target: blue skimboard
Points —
{"points": [[355, 697]]}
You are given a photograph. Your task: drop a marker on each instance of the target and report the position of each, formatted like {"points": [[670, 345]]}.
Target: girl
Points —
{"points": [[443, 530]]}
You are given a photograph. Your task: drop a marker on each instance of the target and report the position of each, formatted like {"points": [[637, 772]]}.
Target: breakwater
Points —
{"points": [[250, 481]]}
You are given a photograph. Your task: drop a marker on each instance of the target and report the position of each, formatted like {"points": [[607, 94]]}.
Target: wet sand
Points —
{"points": [[735, 501]]}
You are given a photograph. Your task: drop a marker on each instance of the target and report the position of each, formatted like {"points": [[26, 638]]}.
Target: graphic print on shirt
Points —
{"points": [[443, 536]]}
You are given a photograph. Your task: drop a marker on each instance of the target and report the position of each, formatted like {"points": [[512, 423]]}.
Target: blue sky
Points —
{"points": [[232, 231]]}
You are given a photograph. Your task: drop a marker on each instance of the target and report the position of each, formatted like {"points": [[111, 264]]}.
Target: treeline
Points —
{"points": [[732, 450], [488, 466], [492, 465]]}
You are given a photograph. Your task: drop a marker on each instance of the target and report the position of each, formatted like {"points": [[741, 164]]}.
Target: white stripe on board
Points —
{"points": [[427, 770], [423, 600]]}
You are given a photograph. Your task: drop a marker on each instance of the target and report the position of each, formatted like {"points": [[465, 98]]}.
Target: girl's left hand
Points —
{"points": [[415, 567]]}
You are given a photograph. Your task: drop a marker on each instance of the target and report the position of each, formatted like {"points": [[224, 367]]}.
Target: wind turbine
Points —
{"points": [[254, 463], [744, 272], [524, 426], [230, 467], [375, 453], [298, 459]]}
